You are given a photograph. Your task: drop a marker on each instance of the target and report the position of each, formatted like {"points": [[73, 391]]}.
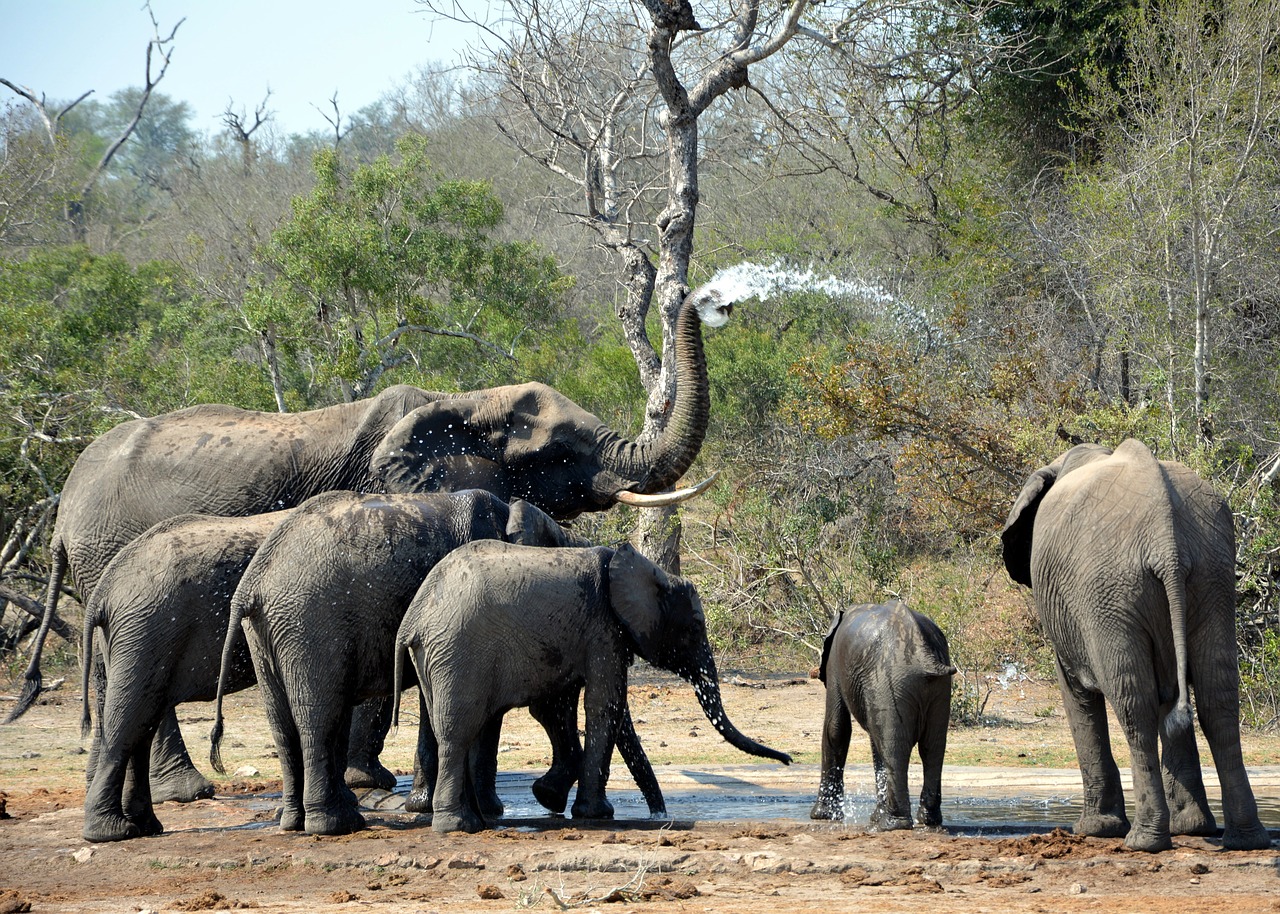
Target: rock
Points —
{"points": [[246, 771]]}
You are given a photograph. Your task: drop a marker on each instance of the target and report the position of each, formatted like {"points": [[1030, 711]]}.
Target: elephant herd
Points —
{"points": [[338, 556]]}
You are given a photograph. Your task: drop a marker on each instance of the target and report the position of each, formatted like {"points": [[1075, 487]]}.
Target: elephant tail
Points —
{"points": [[397, 683], [92, 619], [33, 680], [1175, 585], [239, 611]]}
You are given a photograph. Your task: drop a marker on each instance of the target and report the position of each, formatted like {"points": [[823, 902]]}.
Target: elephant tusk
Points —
{"points": [[636, 500]]}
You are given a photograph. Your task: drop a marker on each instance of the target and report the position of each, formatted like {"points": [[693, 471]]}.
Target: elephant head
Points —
{"points": [[1017, 533], [530, 441], [663, 616]]}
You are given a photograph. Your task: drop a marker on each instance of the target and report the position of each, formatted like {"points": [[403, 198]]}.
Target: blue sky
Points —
{"points": [[227, 50]]}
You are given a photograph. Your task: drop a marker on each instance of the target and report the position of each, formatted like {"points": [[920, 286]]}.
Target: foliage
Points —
{"points": [[387, 265]]}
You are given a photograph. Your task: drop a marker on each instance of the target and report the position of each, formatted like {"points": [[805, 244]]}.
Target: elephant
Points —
{"points": [[1131, 564], [320, 603], [161, 608], [523, 441], [888, 667], [496, 626]]}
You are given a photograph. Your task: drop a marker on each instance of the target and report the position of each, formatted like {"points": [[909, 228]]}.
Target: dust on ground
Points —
{"points": [[226, 854]]}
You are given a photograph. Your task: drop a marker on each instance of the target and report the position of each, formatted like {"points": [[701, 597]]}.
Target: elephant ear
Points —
{"points": [[836, 619], [636, 587], [440, 447], [529, 525], [1016, 535]]}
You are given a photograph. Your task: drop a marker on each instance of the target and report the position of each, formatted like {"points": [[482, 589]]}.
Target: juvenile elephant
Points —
{"points": [[888, 667], [497, 626], [1131, 562], [321, 601], [161, 610], [524, 441]]}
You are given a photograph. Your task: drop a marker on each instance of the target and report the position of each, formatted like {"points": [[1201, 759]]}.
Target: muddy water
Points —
{"points": [[975, 801]]}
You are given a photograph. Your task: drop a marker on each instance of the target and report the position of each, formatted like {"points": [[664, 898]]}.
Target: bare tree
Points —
{"points": [[241, 131], [159, 54], [610, 97]]}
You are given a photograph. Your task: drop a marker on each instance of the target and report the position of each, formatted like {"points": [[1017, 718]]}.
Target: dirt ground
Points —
{"points": [[225, 853]]}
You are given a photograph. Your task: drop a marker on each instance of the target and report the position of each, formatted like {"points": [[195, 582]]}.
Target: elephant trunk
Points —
{"points": [[657, 465], [706, 685]]}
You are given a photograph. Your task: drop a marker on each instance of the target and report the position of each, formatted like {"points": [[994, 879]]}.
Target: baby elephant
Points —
{"points": [[497, 626], [887, 666]]}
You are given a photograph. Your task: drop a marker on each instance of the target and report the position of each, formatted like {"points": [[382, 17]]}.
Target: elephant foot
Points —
{"points": [[181, 785], [1193, 820], [883, 821], [105, 827], [827, 808], [1253, 838], [929, 818], [291, 818], [343, 821], [369, 774], [1098, 825], [147, 823], [584, 808], [1151, 840], [552, 792], [444, 821], [418, 800], [490, 805]]}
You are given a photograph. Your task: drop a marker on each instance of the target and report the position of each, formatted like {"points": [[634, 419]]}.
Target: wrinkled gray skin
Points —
{"points": [[887, 667], [523, 441], [1131, 562], [321, 601], [160, 613], [539, 622]]}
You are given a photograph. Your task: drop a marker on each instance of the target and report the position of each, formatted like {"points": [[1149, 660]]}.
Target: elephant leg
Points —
{"points": [[837, 730], [891, 754], [483, 770], [1104, 814], [104, 818], [1218, 710], [1137, 709], [451, 808], [426, 763], [173, 774], [369, 726], [605, 692], [933, 748], [558, 716], [140, 809], [329, 806], [637, 761], [288, 745], [1189, 812]]}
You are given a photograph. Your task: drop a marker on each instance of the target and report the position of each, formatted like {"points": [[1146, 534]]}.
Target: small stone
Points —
{"points": [[1199, 869], [82, 855], [1078, 888], [489, 892], [30, 754], [246, 771]]}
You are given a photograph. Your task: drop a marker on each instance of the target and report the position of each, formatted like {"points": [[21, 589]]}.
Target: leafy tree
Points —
{"points": [[378, 265]]}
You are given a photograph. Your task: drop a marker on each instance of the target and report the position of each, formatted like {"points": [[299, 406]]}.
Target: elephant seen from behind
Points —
{"points": [[1131, 563], [321, 602], [887, 667], [497, 626], [160, 613]]}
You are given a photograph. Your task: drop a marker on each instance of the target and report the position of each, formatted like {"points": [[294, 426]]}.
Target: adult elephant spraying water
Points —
{"points": [[522, 441]]}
